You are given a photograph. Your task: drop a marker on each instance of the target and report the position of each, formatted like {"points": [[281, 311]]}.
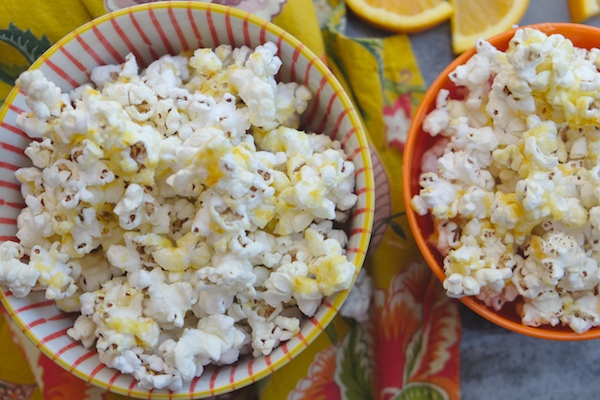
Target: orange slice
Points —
{"points": [[583, 9], [402, 15], [475, 19]]}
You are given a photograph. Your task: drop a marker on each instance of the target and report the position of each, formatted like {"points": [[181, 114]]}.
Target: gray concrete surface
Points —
{"points": [[496, 363]]}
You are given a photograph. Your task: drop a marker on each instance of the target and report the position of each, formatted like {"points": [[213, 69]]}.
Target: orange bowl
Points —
{"points": [[418, 142]]}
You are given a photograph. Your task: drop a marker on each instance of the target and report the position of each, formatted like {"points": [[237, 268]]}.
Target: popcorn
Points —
{"points": [[213, 337], [57, 274], [359, 299], [512, 181], [180, 210], [44, 98], [19, 277], [168, 303], [83, 330]]}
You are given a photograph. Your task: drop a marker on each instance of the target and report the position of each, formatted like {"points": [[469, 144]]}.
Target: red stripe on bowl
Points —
{"points": [[8, 238], [302, 339], [329, 305], [294, 60], [356, 152], [139, 29], [316, 323], [268, 361], [66, 348], [45, 303], [8, 166], [315, 107], [11, 185], [180, 35], [113, 379], [358, 172], [16, 109], [131, 386], [213, 379], [194, 27], [340, 118], [36, 323], [359, 211], [232, 376], [193, 386], [126, 40], [58, 317], [160, 31], [286, 351], [53, 336], [263, 32], [14, 129], [250, 373], [279, 41], [88, 50], [247, 41], [323, 123], [355, 250], [364, 190], [8, 221], [308, 68], [211, 27], [73, 60], [143, 36], [347, 136], [95, 371], [279, 76], [229, 29], [114, 53], [358, 231], [81, 359]]}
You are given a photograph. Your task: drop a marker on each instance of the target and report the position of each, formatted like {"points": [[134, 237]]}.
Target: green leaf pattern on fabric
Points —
{"points": [[27, 44], [413, 349], [393, 89], [25, 41], [420, 391], [375, 48], [8, 73], [354, 369]]}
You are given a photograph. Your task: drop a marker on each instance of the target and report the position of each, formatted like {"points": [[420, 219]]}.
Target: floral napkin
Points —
{"points": [[398, 335]]}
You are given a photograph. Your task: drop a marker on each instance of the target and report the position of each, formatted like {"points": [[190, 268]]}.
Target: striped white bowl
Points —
{"points": [[150, 31]]}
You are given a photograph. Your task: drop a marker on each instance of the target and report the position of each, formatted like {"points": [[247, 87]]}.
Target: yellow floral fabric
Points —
{"points": [[408, 346]]}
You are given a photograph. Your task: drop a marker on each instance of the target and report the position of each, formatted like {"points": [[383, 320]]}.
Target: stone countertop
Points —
{"points": [[496, 363]]}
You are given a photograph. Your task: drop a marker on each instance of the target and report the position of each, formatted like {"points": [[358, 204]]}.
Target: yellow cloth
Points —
{"points": [[408, 348]]}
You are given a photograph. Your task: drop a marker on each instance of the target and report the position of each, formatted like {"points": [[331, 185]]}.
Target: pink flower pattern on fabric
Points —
{"points": [[415, 336], [397, 121]]}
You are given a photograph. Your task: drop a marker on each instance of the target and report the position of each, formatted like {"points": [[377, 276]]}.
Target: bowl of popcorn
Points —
{"points": [[187, 199], [501, 175]]}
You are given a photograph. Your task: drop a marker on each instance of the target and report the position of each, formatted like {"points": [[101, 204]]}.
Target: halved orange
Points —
{"points": [[583, 9], [475, 19], [402, 15]]}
